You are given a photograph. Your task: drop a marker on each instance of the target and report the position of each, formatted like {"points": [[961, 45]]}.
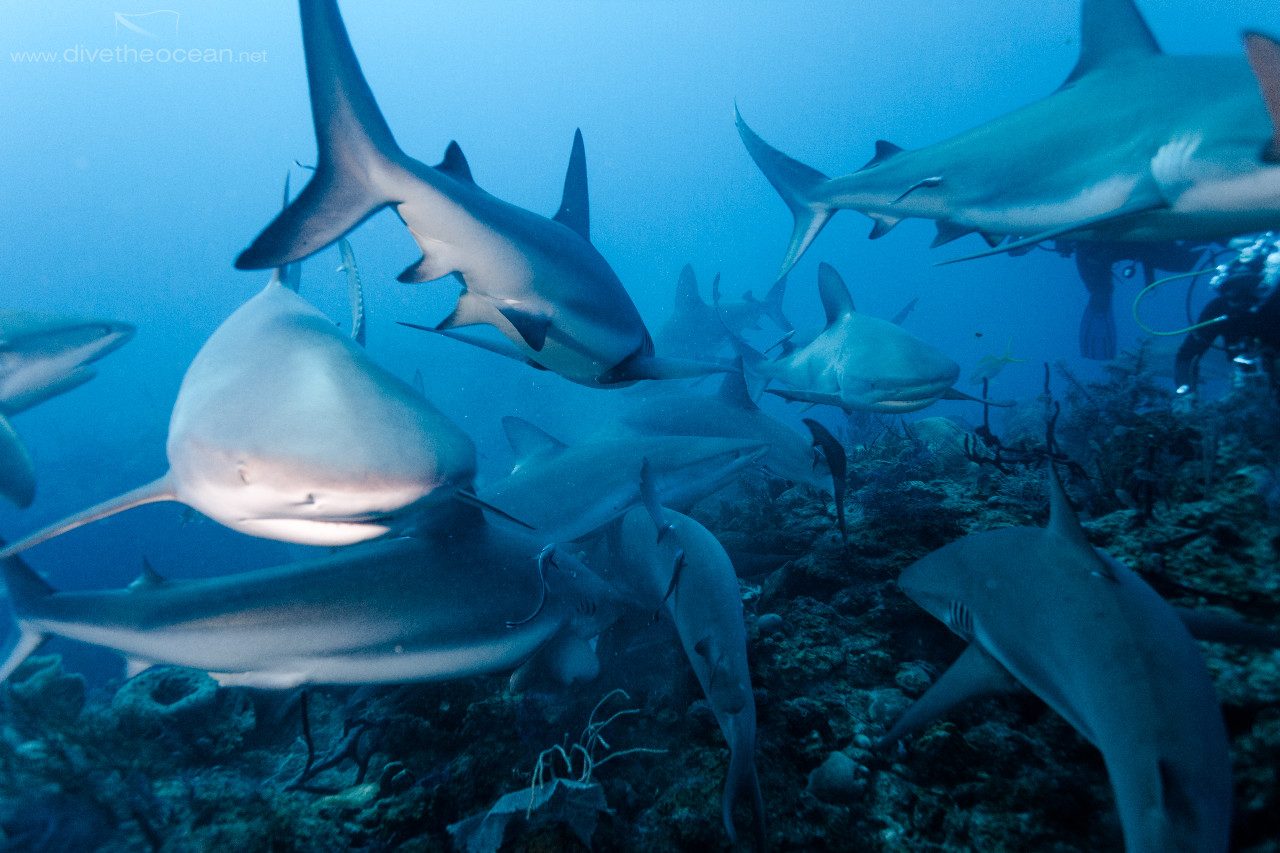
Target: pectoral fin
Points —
{"points": [[974, 674]]}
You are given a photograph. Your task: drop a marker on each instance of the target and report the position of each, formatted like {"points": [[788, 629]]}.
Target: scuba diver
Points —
{"points": [[1245, 314], [1095, 263]]}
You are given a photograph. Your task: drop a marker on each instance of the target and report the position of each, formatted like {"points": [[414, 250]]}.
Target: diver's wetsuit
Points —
{"points": [[1256, 332]]}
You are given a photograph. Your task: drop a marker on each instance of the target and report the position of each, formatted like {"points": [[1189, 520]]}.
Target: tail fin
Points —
{"points": [[17, 472], [158, 490], [25, 588], [353, 143], [795, 182], [772, 303]]}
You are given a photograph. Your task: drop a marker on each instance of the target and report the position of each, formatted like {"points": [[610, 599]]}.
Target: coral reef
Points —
{"points": [[170, 762]]}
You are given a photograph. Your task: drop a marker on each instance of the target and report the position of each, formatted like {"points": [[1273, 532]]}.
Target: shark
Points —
{"points": [[41, 356], [857, 363], [1042, 608], [284, 428], [568, 492], [692, 331], [406, 609], [539, 282], [687, 574], [1136, 145]]}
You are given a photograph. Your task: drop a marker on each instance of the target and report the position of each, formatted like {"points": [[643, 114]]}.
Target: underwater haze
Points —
{"points": [[130, 186]]}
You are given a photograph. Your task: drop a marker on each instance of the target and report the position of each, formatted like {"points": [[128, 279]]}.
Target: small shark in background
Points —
{"points": [[284, 428], [989, 366], [692, 330], [1042, 608], [540, 282], [42, 356], [731, 413], [857, 363], [1135, 145], [567, 492], [408, 609], [686, 573]]}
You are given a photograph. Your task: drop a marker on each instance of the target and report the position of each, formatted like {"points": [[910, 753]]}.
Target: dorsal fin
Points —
{"points": [[733, 388], [884, 150], [455, 164], [836, 301], [1112, 32], [528, 440], [1062, 518], [289, 275], [1263, 53], [574, 212], [687, 287], [148, 578]]}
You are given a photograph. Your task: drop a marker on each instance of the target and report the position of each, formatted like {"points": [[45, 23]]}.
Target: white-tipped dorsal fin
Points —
{"points": [[527, 440], [1112, 32], [574, 212], [836, 301]]}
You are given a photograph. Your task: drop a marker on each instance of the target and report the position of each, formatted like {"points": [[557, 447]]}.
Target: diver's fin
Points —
{"points": [[17, 471], [157, 490], [1098, 328], [795, 182]]}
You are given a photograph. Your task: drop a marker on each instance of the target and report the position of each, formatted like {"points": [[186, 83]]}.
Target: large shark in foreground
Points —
{"points": [[409, 609], [1089, 637], [686, 573], [566, 492], [1135, 145], [284, 428], [858, 363], [538, 281], [41, 356]]}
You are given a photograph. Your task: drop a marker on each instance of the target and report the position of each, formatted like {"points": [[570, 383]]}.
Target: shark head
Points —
{"points": [[42, 355], [888, 369]]}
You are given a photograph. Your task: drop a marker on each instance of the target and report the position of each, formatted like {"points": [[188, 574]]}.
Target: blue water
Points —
{"points": [[130, 186]]}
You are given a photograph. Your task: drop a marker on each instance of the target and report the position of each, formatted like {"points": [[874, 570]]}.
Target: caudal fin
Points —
{"points": [[772, 303], [158, 490], [796, 183], [26, 588], [354, 144]]}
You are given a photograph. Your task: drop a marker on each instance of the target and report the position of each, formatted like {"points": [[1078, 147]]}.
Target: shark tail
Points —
{"points": [[355, 147], [743, 781], [772, 304], [796, 183], [157, 490], [17, 472], [25, 589]]}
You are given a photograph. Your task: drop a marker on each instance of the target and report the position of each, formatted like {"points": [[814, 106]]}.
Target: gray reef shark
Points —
{"points": [[692, 330], [1042, 608], [858, 363], [687, 573], [42, 356], [408, 609], [567, 492], [554, 299], [284, 428], [1136, 145]]}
